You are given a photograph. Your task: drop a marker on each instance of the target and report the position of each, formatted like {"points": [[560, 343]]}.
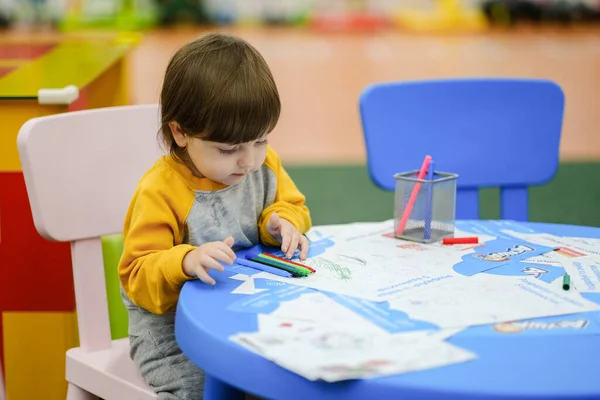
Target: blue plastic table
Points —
{"points": [[514, 367]]}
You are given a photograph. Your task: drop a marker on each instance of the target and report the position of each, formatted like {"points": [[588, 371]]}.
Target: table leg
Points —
{"points": [[215, 389]]}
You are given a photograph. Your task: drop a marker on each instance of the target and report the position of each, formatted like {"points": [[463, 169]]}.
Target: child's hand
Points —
{"points": [[289, 237], [206, 257]]}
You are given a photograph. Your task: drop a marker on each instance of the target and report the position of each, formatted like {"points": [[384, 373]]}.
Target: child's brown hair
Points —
{"points": [[218, 88]]}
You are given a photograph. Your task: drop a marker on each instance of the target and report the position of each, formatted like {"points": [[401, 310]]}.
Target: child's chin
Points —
{"points": [[233, 179]]}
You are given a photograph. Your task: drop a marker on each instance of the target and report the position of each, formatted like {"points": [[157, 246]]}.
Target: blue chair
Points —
{"points": [[492, 132]]}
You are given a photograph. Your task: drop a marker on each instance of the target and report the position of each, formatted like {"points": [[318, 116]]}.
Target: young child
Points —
{"points": [[221, 188]]}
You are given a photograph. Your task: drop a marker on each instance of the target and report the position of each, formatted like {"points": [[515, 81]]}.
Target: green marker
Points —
{"points": [[566, 282]]}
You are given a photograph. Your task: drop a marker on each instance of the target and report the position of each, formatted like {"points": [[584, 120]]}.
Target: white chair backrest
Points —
{"points": [[81, 169]]}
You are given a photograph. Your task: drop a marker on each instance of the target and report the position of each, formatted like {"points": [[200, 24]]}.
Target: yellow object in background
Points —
{"points": [[448, 16], [34, 351]]}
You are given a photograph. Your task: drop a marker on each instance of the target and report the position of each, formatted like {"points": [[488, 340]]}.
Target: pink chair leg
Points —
{"points": [[215, 389], [76, 393], [2, 389]]}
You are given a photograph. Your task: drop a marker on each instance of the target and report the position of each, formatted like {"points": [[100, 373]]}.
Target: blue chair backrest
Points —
{"points": [[492, 132]]}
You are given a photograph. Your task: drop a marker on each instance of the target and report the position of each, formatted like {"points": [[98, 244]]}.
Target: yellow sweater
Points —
{"points": [[172, 212]]}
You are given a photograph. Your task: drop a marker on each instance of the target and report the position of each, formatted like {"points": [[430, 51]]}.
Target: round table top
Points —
{"points": [[515, 367]]}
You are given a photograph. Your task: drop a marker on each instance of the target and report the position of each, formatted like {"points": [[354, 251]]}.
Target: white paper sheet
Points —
{"points": [[553, 258], [246, 287], [376, 267], [319, 309], [486, 299], [270, 323], [587, 241], [334, 355], [584, 273]]}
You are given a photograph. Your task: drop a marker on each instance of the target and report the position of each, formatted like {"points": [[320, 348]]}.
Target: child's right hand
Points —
{"points": [[206, 257]]}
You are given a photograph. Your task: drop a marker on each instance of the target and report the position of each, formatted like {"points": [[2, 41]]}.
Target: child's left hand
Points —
{"points": [[289, 237]]}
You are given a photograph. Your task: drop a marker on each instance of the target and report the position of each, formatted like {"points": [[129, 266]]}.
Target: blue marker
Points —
{"points": [[262, 267], [429, 202]]}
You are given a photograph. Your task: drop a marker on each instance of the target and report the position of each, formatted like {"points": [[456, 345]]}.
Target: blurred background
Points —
{"points": [[322, 54]]}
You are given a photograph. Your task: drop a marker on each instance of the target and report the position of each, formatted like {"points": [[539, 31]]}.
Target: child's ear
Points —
{"points": [[178, 134]]}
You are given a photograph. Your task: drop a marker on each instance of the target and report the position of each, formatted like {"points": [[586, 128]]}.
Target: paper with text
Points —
{"points": [[584, 273], [335, 355], [487, 299]]}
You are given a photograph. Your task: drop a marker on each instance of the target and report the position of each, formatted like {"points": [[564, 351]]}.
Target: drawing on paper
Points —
{"points": [[353, 259], [340, 272]]}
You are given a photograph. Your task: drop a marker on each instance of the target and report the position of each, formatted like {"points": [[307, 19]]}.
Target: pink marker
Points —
{"points": [[413, 196]]}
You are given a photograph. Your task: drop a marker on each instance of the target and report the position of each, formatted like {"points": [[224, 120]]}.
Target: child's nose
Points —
{"points": [[247, 160]]}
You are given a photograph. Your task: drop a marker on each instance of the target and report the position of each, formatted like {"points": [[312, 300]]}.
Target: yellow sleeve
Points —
{"points": [[150, 268], [288, 204]]}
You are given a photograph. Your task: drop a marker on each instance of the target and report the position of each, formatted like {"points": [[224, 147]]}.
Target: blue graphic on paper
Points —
{"points": [[378, 313], [587, 323], [269, 301], [546, 273], [268, 284], [315, 247], [497, 253]]}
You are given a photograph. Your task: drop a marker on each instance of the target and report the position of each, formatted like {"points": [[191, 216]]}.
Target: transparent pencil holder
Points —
{"points": [[424, 210]]}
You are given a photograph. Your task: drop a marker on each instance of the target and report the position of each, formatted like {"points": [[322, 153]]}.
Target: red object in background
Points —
{"points": [[349, 22], [36, 273], [6, 70], [22, 51]]}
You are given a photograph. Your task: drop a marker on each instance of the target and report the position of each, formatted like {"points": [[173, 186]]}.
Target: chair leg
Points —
{"points": [[215, 389], [76, 393]]}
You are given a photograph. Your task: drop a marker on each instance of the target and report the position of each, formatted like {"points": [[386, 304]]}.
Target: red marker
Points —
{"points": [[460, 240]]}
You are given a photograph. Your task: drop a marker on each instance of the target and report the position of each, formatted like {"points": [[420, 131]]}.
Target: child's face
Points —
{"points": [[228, 164], [221, 162]]}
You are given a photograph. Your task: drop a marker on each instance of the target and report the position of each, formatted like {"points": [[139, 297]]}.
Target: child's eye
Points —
{"points": [[261, 143], [227, 151]]}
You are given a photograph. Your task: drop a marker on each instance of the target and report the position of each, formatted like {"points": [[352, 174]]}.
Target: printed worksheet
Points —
{"points": [[498, 253], [546, 273], [335, 355], [571, 324], [553, 258], [309, 306], [376, 267], [594, 242], [576, 247], [488, 299], [365, 260], [584, 273]]}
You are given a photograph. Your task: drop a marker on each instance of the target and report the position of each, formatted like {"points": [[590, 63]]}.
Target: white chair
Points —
{"points": [[80, 170]]}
